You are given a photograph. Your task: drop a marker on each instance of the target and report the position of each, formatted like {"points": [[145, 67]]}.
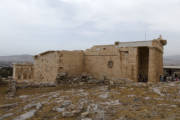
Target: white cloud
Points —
{"points": [[53, 22]]}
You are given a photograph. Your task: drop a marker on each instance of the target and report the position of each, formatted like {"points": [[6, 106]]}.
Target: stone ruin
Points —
{"points": [[140, 61], [11, 88], [63, 78]]}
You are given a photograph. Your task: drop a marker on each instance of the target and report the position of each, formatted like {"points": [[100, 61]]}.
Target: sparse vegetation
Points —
{"points": [[137, 101], [5, 72]]}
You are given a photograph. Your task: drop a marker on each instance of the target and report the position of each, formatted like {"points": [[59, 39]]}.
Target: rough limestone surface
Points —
{"points": [[138, 61], [26, 115], [6, 116], [127, 101]]}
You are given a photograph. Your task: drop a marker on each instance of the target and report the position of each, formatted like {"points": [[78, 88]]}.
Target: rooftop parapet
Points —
{"points": [[156, 43]]}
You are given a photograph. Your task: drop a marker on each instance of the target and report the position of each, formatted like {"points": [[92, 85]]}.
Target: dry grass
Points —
{"points": [[132, 99]]}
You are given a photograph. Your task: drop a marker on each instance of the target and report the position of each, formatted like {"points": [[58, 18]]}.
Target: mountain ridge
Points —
{"points": [[9, 60]]}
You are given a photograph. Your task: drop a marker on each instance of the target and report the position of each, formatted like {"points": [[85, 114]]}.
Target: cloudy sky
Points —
{"points": [[34, 26]]}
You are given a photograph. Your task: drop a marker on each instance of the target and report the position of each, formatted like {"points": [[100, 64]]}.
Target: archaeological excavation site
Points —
{"points": [[121, 81]]}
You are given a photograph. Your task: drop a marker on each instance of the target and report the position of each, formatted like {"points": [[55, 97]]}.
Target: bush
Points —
{"points": [[6, 71]]}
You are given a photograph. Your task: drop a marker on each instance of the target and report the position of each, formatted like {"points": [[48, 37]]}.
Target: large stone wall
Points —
{"points": [[123, 60], [45, 67], [71, 62], [155, 65], [118, 61]]}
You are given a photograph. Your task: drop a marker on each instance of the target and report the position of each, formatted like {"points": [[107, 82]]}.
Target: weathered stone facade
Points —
{"points": [[23, 72], [136, 61]]}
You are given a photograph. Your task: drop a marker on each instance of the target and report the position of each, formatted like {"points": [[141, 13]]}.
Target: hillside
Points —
{"points": [[172, 60], [8, 60]]}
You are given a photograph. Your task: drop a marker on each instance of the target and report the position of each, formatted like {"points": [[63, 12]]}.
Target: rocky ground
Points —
{"points": [[132, 101]]}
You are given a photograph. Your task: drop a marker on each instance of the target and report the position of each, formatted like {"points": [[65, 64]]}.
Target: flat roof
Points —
{"points": [[136, 44], [171, 67]]}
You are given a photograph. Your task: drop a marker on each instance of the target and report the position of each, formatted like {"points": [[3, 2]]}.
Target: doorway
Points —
{"points": [[143, 64]]}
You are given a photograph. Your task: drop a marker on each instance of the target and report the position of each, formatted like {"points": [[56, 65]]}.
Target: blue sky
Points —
{"points": [[34, 26]]}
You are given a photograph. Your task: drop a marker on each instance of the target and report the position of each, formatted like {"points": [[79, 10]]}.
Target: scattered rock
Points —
{"points": [[37, 105], [104, 96], [147, 98], [8, 106], [75, 112], [131, 95], [26, 115], [24, 96], [61, 78], [60, 110], [113, 103], [92, 108], [157, 91], [6, 116], [67, 114], [84, 114], [86, 119], [66, 103]]}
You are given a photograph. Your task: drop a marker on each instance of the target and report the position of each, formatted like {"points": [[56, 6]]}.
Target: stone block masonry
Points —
{"points": [[140, 61]]}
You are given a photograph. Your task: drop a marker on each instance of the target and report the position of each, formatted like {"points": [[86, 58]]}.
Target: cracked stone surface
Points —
{"points": [[132, 101]]}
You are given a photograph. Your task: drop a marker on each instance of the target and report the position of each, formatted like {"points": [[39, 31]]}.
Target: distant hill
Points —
{"points": [[172, 60], [8, 60]]}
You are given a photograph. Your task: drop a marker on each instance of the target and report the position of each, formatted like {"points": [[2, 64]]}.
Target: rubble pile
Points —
{"points": [[63, 78], [23, 85]]}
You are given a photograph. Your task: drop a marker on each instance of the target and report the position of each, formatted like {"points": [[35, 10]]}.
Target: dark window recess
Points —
{"points": [[126, 52], [60, 68], [110, 64], [19, 76]]}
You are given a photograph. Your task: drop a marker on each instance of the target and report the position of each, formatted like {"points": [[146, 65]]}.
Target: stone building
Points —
{"points": [[23, 72], [137, 61]]}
